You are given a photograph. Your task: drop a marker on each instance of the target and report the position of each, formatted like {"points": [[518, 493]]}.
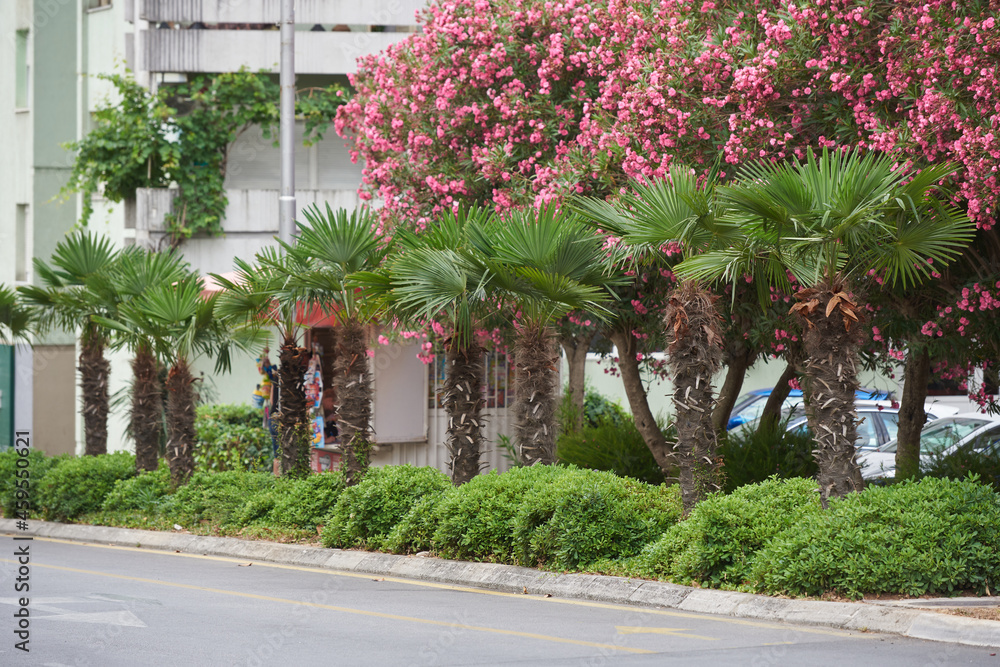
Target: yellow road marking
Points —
{"points": [[674, 632], [345, 610], [464, 589]]}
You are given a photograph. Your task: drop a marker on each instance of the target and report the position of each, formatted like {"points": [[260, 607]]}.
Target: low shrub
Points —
{"points": [[613, 446], [584, 515], [231, 437], [293, 503], [415, 531], [963, 462], [216, 497], [934, 536], [719, 541], [477, 522], [142, 492], [753, 456], [366, 513], [38, 464], [79, 485]]}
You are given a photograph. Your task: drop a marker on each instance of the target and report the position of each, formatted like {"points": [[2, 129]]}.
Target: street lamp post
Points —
{"points": [[286, 201]]}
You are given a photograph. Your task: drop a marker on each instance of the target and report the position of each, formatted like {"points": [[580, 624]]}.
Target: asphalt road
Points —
{"points": [[105, 606]]}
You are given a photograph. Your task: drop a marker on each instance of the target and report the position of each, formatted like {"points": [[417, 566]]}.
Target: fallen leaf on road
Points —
{"points": [[242, 565], [525, 591]]}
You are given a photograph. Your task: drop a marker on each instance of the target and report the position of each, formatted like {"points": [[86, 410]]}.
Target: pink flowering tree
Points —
{"points": [[519, 102], [522, 101]]}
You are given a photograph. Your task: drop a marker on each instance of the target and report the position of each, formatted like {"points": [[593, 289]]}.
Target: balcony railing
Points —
{"points": [[228, 50], [366, 12], [249, 211]]}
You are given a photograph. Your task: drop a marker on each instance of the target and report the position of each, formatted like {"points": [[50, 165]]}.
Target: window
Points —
{"points": [[943, 434], [96, 4], [891, 422], [21, 63], [867, 438], [497, 385], [21, 244]]}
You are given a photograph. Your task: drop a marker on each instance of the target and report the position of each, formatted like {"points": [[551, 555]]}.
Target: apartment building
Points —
{"points": [[52, 50]]}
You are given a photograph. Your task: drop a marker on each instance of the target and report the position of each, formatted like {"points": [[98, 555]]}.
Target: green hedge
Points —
{"points": [[366, 513], [293, 503], [217, 498], [934, 536], [586, 515], [142, 492], [38, 466], [477, 522], [718, 543], [76, 486]]}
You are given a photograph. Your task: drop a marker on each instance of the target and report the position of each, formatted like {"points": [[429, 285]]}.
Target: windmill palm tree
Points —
{"points": [[135, 274], [686, 212], [265, 295], [181, 324], [74, 288], [18, 320], [334, 245], [435, 275], [830, 220], [545, 263]]}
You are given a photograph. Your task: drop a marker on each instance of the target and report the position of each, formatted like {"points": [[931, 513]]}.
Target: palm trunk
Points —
{"points": [[94, 372], [694, 354], [638, 403], [830, 375], [147, 410], [293, 429], [353, 381], [180, 422], [576, 347], [535, 360], [738, 359], [917, 374], [463, 399]]}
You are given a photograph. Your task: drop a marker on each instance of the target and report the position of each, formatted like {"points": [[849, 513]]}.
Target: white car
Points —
{"points": [[938, 438]]}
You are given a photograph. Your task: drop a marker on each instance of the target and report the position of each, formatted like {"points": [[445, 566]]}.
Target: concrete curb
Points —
{"points": [[858, 616]]}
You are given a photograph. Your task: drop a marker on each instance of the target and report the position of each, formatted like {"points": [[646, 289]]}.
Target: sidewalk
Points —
{"points": [[895, 618]]}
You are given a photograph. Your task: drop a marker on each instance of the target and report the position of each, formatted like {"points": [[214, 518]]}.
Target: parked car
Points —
{"points": [[750, 405], [938, 438], [878, 422]]}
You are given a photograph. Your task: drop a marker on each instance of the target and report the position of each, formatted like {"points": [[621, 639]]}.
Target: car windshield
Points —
{"points": [[867, 438]]}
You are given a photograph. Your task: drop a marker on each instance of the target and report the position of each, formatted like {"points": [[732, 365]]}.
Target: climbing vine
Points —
{"points": [[180, 135]]}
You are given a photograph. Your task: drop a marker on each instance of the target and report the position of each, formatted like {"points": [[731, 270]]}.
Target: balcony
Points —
{"points": [[249, 211], [369, 12], [251, 223], [227, 50]]}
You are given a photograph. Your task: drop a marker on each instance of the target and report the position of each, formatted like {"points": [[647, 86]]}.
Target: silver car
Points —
{"points": [[938, 438], [878, 421]]}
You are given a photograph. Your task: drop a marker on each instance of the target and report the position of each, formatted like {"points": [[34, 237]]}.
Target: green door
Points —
{"points": [[6, 396]]}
